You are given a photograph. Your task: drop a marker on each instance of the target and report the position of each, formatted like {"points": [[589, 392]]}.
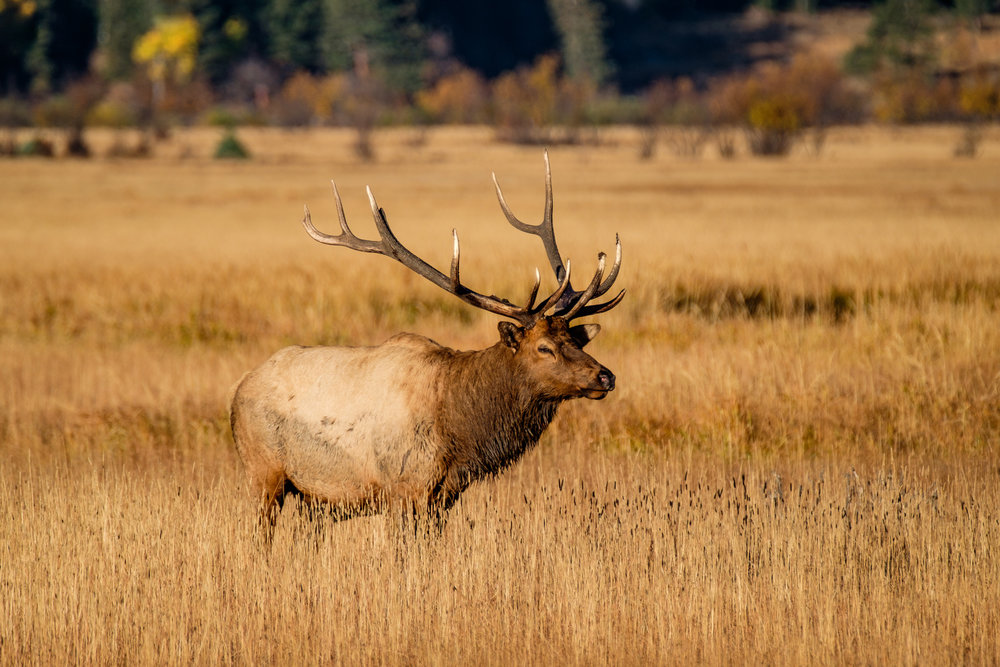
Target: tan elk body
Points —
{"points": [[411, 422]]}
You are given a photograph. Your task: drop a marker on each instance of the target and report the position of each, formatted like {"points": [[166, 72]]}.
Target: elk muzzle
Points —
{"points": [[604, 381]]}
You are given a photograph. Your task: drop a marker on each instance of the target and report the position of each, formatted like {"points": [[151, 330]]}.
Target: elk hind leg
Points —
{"points": [[272, 498]]}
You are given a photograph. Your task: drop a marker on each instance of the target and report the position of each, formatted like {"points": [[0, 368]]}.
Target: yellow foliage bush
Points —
{"points": [[170, 49], [462, 97], [24, 8], [775, 114], [980, 96], [316, 97], [775, 102], [529, 103], [108, 113], [913, 98]]}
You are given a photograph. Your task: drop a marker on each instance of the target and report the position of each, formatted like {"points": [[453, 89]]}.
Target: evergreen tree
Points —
{"points": [[900, 37], [385, 37], [973, 11], [18, 26], [580, 26], [231, 31], [38, 62], [61, 43], [121, 23], [294, 28]]}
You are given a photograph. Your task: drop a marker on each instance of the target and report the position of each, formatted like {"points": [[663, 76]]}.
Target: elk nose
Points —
{"points": [[607, 379]]}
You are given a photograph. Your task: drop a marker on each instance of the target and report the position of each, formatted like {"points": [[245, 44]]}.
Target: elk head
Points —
{"points": [[551, 358], [548, 350]]}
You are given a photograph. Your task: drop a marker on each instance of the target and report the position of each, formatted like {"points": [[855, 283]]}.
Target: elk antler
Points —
{"points": [[572, 304], [390, 246], [567, 302]]}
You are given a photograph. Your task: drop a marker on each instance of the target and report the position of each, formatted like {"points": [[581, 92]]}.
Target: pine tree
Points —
{"points": [[120, 24], [973, 11], [18, 28], [294, 28], [231, 32], [580, 27], [39, 64], [62, 42], [900, 37], [386, 37]]}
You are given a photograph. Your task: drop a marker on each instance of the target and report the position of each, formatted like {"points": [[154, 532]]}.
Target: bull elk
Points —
{"points": [[412, 423]]}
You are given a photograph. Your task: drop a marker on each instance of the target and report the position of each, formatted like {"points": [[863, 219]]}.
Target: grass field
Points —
{"points": [[800, 464]]}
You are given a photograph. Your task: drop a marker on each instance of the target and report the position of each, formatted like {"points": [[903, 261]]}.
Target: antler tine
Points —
{"points": [[547, 217], [392, 247], [340, 209], [613, 275], [346, 238], [583, 309], [455, 283], [554, 298], [544, 230], [534, 290], [511, 218], [596, 308], [307, 222], [588, 293]]}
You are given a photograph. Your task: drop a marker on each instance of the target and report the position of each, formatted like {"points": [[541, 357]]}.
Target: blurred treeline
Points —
{"points": [[539, 71]]}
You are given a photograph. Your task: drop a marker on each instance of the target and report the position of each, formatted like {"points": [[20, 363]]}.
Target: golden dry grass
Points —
{"points": [[800, 464]]}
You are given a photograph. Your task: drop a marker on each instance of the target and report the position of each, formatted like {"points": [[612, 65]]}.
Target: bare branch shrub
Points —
{"points": [[725, 143], [979, 103], [969, 141], [677, 105]]}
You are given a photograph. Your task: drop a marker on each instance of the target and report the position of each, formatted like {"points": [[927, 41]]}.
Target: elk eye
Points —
{"points": [[545, 349]]}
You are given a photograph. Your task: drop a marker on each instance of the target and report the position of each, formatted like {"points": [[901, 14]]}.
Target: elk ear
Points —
{"points": [[584, 333], [510, 334]]}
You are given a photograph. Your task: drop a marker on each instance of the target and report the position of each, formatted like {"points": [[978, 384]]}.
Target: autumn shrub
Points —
{"points": [[539, 104], [978, 102], [53, 112], [306, 99], [775, 103], [123, 107], [69, 111], [774, 123], [913, 97], [678, 105], [186, 101], [979, 95], [524, 102], [460, 97], [37, 146], [119, 108], [14, 113]]}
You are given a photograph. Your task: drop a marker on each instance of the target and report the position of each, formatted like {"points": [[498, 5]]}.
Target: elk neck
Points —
{"points": [[489, 414]]}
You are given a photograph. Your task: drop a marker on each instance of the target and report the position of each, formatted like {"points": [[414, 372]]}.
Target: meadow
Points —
{"points": [[800, 463]]}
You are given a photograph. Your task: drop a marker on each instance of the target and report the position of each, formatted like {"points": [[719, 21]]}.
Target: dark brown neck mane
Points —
{"points": [[489, 414]]}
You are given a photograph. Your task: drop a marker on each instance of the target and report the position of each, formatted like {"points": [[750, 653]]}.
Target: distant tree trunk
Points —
{"points": [[366, 109]]}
